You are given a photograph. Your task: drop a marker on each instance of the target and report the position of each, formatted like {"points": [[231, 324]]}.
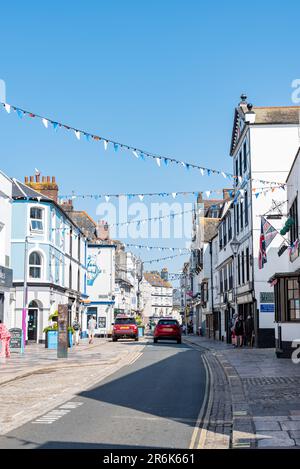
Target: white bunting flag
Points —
{"points": [[208, 193], [141, 197], [202, 171], [223, 174], [135, 153], [174, 194], [107, 198], [77, 133], [105, 143], [45, 122], [7, 107], [158, 161]]}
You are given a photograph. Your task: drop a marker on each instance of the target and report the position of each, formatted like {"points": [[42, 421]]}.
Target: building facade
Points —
{"points": [[158, 296], [5, 248], [48, 258], [264, 142]]}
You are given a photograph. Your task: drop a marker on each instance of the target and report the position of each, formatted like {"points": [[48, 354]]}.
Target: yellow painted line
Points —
{"points": [[200, 416], [203, 431]]}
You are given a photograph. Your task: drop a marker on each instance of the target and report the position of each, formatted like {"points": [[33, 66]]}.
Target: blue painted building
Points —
{"points": [[50, 251]]}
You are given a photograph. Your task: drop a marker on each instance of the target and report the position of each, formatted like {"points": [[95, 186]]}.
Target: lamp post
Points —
{"points": [[235, 245], [25, 291]]}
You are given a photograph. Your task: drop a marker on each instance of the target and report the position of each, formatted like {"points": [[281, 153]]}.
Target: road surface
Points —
{"points": [[153, 402]]}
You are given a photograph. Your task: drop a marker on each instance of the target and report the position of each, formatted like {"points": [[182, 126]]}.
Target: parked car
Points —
{"points": [[168, 329], [125, 327]]}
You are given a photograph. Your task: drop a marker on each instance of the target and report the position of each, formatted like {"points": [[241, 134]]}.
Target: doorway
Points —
{"points": [[32, 321], [2, 307]]}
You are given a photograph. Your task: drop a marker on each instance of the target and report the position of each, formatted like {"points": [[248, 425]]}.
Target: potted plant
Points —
{"points": [[51, 336]]}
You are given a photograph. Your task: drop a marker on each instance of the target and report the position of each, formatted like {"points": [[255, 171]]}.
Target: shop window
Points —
{"points": [[293, 300]]}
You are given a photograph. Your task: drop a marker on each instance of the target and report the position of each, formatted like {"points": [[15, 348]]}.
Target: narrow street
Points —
{"points": [[153, 402]]}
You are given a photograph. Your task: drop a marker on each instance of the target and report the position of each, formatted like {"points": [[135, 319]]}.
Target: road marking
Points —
{"points": [[53, 415], [203, 431], [135, 358], [200, 416]]}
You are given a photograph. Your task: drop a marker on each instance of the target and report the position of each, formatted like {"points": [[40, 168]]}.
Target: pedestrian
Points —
{"points": [[91, 328], [76, 327], [239, 331], [5, 338], [249, 330], [233, 336]]}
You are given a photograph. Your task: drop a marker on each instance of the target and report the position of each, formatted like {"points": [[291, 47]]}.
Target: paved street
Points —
{"points": [[152, 402]]}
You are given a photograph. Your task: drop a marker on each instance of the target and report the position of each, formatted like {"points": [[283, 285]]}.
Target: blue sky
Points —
{"points": [[163, 75]]}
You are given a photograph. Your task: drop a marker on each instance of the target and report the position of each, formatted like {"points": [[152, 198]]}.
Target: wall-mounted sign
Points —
{"points": [[267, 297], [5, 277], [267, 308]]}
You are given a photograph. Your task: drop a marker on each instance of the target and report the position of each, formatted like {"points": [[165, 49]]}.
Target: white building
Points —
{"points": [[264, 142], [5, 248], [287, 281], [128, 279], [100, 286], [160, 302]]}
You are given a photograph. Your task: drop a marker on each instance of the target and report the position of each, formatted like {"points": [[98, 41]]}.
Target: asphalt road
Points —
{"points": [[151, 403]]}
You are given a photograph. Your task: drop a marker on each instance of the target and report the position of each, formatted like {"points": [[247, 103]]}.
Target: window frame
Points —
{"points": [[37, 220], [35, 265]]}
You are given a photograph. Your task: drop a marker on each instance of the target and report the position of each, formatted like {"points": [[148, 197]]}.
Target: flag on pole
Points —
{"points": [[267, 234]]}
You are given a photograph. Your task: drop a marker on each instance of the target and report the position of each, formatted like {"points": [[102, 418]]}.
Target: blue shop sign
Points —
{"points": [[267, 308]]}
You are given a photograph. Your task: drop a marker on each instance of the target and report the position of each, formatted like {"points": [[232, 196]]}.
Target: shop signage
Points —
{"points": [[16, 342], [5, 277], [62, 322], [267, 308], [267, 297]]}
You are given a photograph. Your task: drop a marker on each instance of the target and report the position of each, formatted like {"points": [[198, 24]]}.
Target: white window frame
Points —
{"points": [[42, 266], [41, 220]]}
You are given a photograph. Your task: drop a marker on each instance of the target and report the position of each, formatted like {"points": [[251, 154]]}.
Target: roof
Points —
{"points": [[210, 228], [265, 115], [85, 222], [22, 192], [155, 280]]}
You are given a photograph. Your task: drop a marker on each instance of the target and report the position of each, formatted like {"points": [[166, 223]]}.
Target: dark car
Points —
{"points": [[125, 327], [168, 329]]}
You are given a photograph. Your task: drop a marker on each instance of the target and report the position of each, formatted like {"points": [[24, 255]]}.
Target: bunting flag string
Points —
{"points": [[159, 248], [174, 195], [150, 261], [137, 152]]}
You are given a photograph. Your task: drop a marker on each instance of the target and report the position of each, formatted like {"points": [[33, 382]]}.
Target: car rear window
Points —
{"points": [[167, 322], [125, 321]]}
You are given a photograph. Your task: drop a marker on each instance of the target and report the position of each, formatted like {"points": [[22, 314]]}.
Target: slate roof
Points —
{"points": [[155, 280], [210, 228], [85, 222]]}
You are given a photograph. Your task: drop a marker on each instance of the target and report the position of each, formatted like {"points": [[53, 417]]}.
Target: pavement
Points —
{"points": [[264, 392], [153, 401], [36, 382]]}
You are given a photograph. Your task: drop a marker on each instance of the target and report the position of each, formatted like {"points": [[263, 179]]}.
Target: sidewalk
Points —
{"points": [[34, 383], [265, 394]]}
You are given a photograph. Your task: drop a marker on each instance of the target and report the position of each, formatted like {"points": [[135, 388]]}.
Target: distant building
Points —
{"points": [[159, 295]]}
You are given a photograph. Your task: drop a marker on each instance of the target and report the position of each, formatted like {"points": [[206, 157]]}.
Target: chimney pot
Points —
{"points": [[53, 179], [48, 178], [43, 179], [26, 179], [31, 179], [37, 178]]}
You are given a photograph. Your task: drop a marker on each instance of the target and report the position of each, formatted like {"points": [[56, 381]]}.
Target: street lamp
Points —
{"points": [[235, 245]]}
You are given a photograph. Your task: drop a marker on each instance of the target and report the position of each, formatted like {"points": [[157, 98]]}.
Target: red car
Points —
{"points": [[168, 329], [124, 327]]}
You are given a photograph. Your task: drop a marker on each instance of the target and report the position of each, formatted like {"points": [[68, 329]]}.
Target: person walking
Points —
{"points": [[249, 330], [239, 331], [91, 329], [5, 338], [233, 336], [76, 327]]}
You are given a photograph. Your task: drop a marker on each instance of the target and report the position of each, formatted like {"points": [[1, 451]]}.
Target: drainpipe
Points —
{"points": [[211, 276]]}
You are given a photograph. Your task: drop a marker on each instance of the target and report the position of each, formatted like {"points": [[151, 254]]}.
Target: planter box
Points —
{"points": [[52, 340]]}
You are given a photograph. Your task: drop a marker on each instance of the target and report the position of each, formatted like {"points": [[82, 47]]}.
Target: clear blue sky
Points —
{"points": [[163, 75]]}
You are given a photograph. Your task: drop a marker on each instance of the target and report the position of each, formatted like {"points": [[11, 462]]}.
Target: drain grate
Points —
{"points": [[266, 380]]}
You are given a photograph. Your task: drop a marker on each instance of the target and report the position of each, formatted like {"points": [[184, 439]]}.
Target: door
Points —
{"points": [[2, 307], [32, 324]]}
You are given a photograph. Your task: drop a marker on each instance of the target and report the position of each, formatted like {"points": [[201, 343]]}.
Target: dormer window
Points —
{"points": [[36, 220]]}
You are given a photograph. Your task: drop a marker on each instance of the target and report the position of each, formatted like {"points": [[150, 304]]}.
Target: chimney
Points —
{"points": [[199, 198], [102, 230], [46, 187], [165, 274], [67, 205], [243, 103]]}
